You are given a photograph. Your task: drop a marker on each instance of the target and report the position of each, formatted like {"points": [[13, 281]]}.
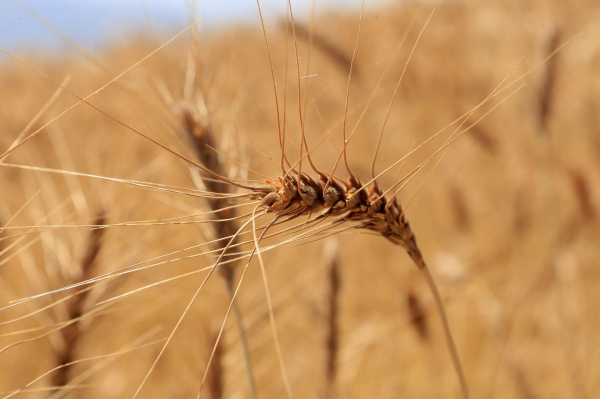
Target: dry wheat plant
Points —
{"points": [[202, 216]]}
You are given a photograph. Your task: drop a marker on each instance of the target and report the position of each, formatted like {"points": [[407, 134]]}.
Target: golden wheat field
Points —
{"points": [[125, 172]]}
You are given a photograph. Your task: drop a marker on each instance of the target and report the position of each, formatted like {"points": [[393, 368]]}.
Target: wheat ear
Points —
{"points": [[349, 200], [76, 307], [200, 133]]}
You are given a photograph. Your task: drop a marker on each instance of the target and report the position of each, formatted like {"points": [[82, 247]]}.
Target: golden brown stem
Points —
{"points": [[214, 380], [418, 316], [447, 332], [549, 88], [243, 339], [332, 339]]}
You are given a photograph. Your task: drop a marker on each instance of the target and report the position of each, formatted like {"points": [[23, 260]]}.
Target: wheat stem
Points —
{"points": [[447, 332], [243, 340]]}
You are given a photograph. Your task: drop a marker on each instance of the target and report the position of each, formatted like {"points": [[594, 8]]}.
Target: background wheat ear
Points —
{"points": [[76, 306], [209, 146]]}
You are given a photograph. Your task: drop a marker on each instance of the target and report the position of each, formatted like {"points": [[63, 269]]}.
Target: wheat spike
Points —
{"points": [[76, 307], [200, 133]]}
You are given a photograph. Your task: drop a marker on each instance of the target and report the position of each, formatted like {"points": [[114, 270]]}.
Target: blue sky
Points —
{"points": [[93, 24]]}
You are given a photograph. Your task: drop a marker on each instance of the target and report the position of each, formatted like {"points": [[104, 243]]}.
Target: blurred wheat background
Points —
{"points": [[508, 220]]}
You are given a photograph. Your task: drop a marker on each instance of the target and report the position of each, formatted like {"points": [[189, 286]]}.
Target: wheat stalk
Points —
{"points": [[2, 245], [548, 90], [215, 373], [332, 338], [418, 316], [204, 142], [71, 334]]}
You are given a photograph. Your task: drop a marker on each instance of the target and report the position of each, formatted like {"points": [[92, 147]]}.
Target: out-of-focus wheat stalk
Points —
{"points": [[208, 147], [323, 44], [585, 214], [65, 353], [460, 208], [214, 380], [417, 314], [560, 237], [548, 91], [485, 139], [332, 336], [583, 193], [2, 244]]}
